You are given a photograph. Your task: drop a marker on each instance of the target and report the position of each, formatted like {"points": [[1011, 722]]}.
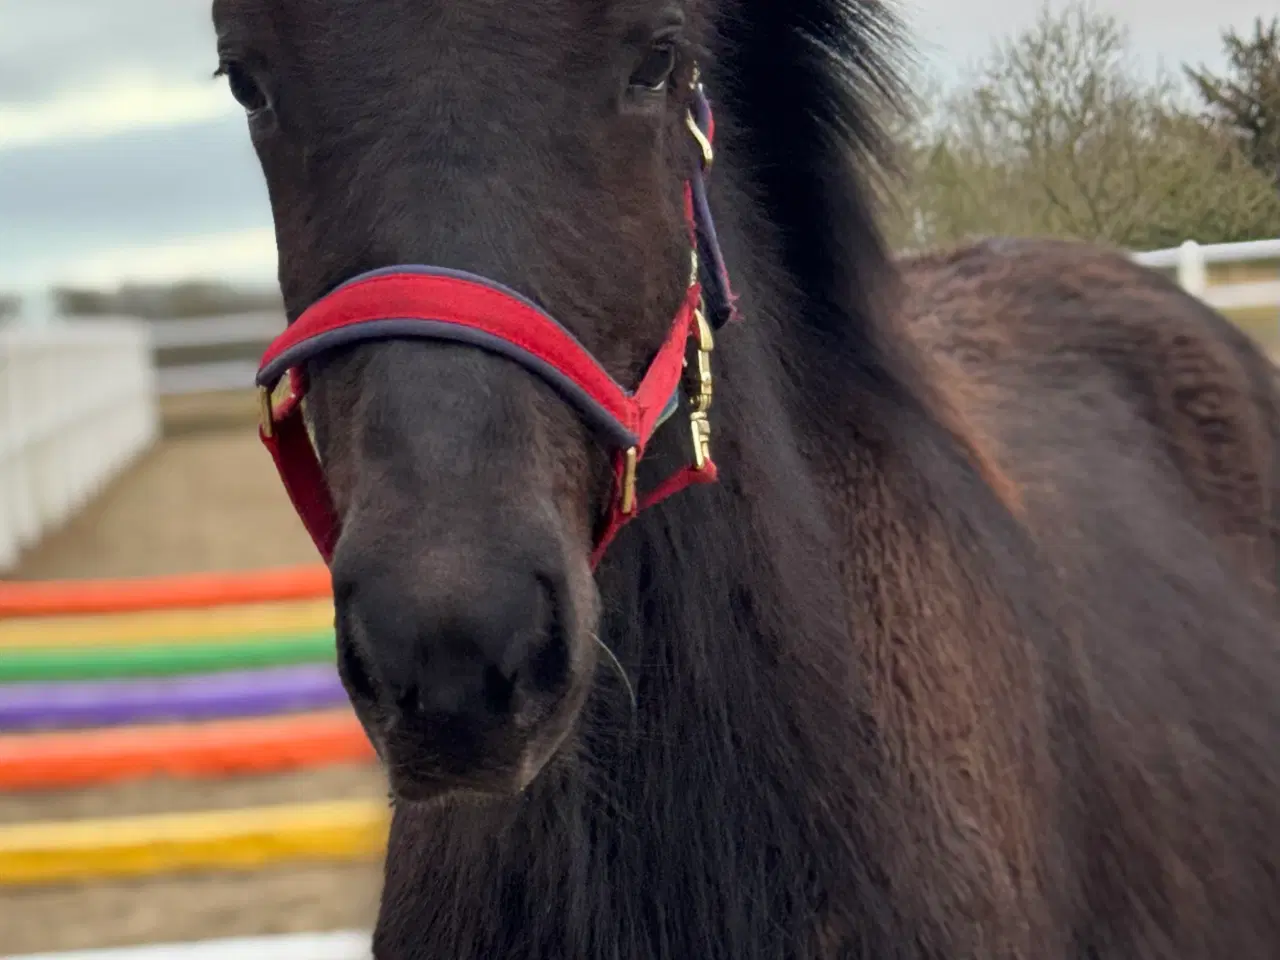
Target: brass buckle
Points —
{"points": [[700, 389], [266, 422], [269, 399], [631, 459]]}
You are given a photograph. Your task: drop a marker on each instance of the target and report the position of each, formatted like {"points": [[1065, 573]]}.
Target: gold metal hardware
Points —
{"points": [[265, 419], [706, 340], [700, 427], [708, 155], [699, 386], [700, 389], [631, 458], [270, 399]]}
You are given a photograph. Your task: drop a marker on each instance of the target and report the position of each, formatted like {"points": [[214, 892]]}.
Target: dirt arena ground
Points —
{"points": [[205, 498]]}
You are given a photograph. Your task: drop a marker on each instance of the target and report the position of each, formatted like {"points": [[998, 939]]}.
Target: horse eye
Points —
{"points": [[244, 88], [655, 69]]}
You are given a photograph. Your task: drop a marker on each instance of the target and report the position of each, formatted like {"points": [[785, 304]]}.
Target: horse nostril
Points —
{"points": [[547, 657], [458, 651], [499, 689], [549, 662], [355, 671], [408, 701]]}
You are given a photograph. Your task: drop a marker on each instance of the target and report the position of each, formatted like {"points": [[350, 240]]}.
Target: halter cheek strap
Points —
{"points": [[422, 302]]}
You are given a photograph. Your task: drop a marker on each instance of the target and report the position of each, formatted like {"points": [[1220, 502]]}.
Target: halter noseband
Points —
{"points": [[423, 302]]}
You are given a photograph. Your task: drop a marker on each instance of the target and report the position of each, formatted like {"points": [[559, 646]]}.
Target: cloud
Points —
{"points": [[63, 202], [121, 103], [247, 255], [952, 35], [48, 47]]}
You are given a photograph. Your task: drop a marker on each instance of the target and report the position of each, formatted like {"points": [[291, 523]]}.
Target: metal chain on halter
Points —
{"points": [[698, 387]]}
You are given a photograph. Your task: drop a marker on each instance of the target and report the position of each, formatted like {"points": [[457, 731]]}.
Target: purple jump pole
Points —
{"points": [[246, 693]]}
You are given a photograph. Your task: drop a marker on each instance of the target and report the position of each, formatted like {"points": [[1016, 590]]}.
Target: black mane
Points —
{"points": [[806, 90], [809, 85]]}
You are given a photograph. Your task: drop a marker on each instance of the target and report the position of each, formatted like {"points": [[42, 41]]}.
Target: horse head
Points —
{"points": [[489, 249]]}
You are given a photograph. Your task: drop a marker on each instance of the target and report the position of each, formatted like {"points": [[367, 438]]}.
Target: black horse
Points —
{"points": [[971, 652]]}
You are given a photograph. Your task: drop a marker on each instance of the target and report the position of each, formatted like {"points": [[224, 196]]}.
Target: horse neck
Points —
{"points": [[702, 595], [724, 610], [702, 815]]}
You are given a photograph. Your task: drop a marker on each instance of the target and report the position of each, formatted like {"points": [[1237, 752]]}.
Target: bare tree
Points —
{"points": [[1057, 134]]}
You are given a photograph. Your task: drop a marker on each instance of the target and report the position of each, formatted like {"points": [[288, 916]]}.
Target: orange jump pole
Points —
{"points": [[60, 761], [184, 591]]}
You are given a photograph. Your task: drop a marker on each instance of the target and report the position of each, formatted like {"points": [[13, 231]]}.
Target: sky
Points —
{"points": [[121, 159]]}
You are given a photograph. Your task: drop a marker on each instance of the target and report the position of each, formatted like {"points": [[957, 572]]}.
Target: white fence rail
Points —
{"points": [[254, 330], [1191, 261], [77, 405]]}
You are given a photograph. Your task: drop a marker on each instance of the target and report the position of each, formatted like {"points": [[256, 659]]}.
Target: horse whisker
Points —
{"points": [[619, 669]]}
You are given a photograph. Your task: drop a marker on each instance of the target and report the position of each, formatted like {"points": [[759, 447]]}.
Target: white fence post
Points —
{"points": [[1191, 262], [1193, 276], [77, 405]]}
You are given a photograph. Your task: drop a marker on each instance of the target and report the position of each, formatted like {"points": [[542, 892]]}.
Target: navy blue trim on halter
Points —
{"points": [[418, 328]]}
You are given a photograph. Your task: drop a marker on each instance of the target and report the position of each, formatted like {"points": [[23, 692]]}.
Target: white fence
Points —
{"points": [[239, 330], [1191, 261], [77, 405]]}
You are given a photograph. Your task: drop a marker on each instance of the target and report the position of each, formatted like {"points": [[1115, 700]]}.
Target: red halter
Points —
{"points": [[435, 303]]}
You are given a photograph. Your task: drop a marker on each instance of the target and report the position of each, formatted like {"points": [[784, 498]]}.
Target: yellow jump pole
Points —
{"points": [[166, 626], [246, 839]]}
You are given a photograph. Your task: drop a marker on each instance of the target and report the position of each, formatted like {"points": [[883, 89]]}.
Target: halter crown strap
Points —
{"points": [[414, 301]]}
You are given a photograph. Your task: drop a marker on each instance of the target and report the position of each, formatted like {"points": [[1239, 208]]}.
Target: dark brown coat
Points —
{"points": [[973, 652]]}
